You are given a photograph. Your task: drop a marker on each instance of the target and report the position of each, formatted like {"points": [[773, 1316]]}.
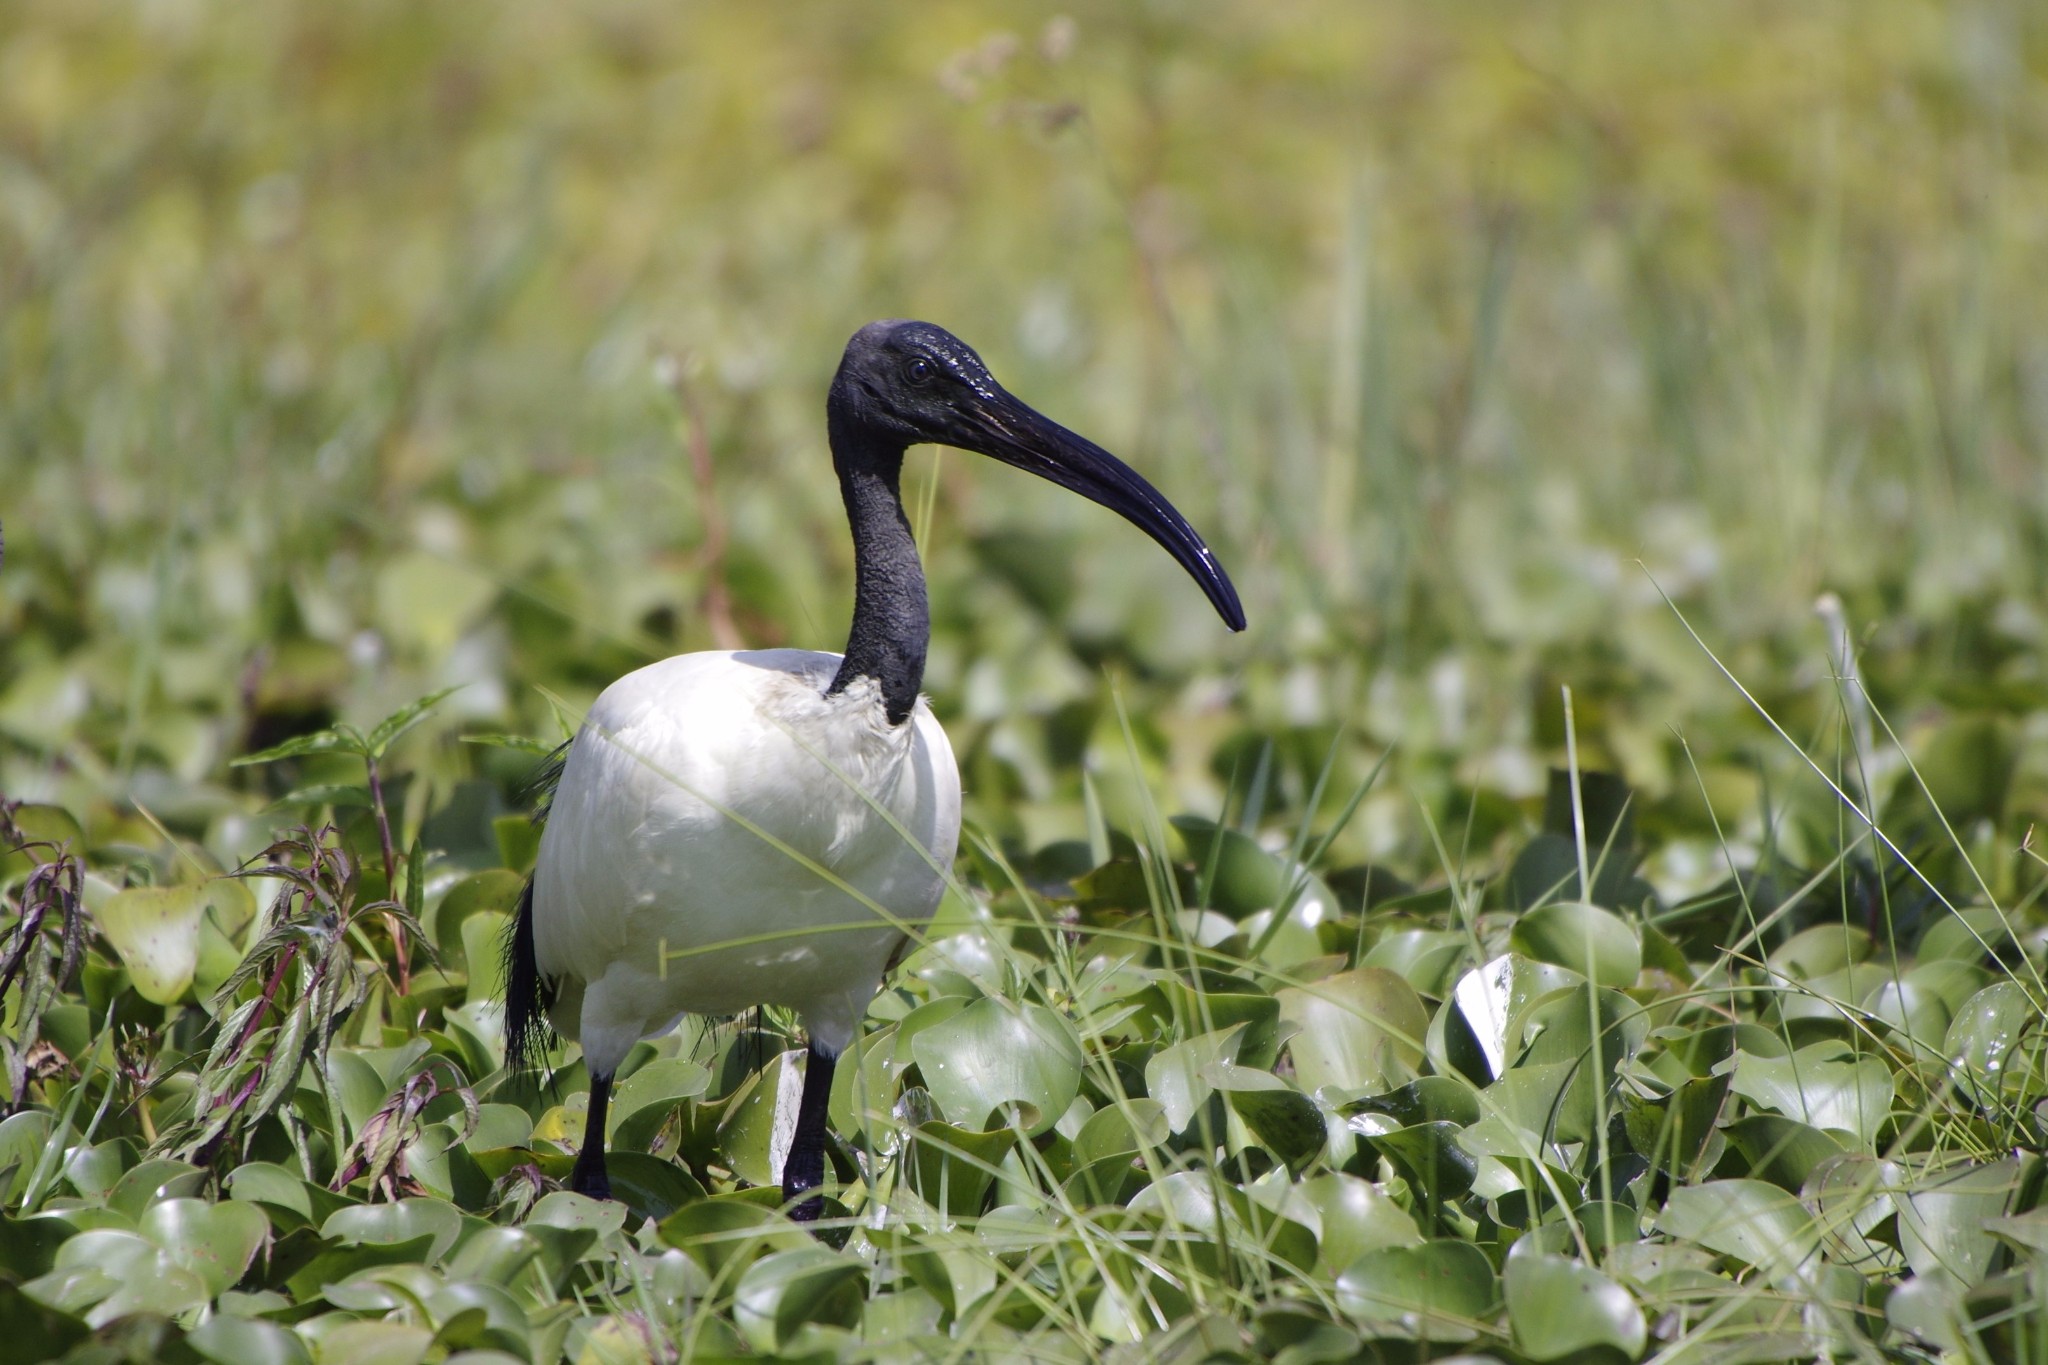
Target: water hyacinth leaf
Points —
{"points": [[1287, 1123], [1357, 1217], [1244, 878], [951, 1168], [1783, 1151], [1851, 1198], [1360, 1029], [246, 1341], [1177, 1008], [1821, 951], [1176, 1076], [1441, 1288], [1819, 1087], [755, 1129], [214, 1241], [405, 1221], [1754, 1222], [1585, 938], [646, 1098], [1429, 1158], [1426, 1099], [1944, 1218], [726, 1232], [493, 889], [992, 1054], [1996, 1043], [780, 1292], [1559, 1308], [1488, 999], [155, 931], [1426, 959], [1672, 1130]]}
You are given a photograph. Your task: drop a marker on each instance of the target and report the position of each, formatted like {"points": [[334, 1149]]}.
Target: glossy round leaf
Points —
{"points": [[992, 1054], [1585, 938], [1357, 1030], [1558, 1308]]}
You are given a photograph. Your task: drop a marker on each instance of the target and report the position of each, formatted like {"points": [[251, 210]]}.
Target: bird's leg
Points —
{"points": [[588, 1177], [804, 1169]]}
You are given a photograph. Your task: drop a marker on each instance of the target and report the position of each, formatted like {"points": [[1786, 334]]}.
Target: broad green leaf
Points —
{"points": [[1247, 879], [993, 1054], [1558, 1308], [155, 930], [1817, 1086], [494, 889], [383, 1224], [1749, 1220], [1287, 1123], [782, 1291], [1357, 1217], [1585, 938], [215, 1241], [727, 1232], [246, 1341], [1426, 959], [1356, 1030], [1175, 1076], [951, 1168], [1441, 1288], [1783, 1151], [1944, 1219], [1996, 1043]]}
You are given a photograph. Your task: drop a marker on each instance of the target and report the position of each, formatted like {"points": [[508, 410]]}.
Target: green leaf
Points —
{"points": [[1817, 1087], [389, 729], [1996, 1042], [1247, 879], [408, 1219], [1287, 1123], [1559, 1308], [1429, 1159], [1582, 937], [1780, 1150], [952, 1168], [1357, 1217], [1442, 1288], [1356, 1030], [781, 1292], [1944, 1218], [341, 739], [1749, 1220], [993, 1054], [155, 930], [214, 1241], [727, 1232]]}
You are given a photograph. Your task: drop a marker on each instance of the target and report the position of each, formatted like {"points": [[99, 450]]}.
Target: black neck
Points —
{"points": [[892, 624]]}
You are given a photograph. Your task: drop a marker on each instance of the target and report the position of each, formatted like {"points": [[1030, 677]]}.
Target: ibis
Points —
{"points": [[739, 828]]}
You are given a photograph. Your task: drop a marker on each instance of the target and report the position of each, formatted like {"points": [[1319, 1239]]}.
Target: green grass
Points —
{"points": [[1534, 370]]}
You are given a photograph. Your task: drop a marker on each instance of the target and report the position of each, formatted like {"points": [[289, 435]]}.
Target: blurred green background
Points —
{"points": [[352, 350]]}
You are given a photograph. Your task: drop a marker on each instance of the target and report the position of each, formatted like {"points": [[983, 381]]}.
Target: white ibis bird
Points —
{"points": [[765, 827]]}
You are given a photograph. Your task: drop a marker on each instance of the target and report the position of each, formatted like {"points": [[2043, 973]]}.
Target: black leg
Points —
{"points": [[588, 1177], [804, 1170]]}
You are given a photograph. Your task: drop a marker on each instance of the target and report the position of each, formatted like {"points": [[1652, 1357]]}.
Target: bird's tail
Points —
{"points": [[527, 1034]]}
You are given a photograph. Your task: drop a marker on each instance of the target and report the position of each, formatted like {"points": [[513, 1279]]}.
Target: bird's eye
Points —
{"points": [[918, 370]]}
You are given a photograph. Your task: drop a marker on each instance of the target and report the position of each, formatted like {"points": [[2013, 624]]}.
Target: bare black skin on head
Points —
{"points": [[908, 383]]}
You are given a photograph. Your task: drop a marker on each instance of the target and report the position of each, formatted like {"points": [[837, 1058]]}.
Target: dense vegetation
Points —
{"points": [[1593, 912]]}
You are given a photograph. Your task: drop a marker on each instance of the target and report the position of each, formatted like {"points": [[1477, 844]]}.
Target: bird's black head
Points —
{"points": [[910, 383]]}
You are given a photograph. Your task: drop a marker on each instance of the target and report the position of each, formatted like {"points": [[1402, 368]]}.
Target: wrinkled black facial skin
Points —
{"points": [[907, 383]]}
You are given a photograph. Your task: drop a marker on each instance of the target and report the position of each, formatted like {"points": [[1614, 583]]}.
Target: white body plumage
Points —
{"points": [[727, 835]]}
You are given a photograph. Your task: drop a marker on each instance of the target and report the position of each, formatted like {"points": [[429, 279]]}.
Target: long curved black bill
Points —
{"points": [[1002, 428]]}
